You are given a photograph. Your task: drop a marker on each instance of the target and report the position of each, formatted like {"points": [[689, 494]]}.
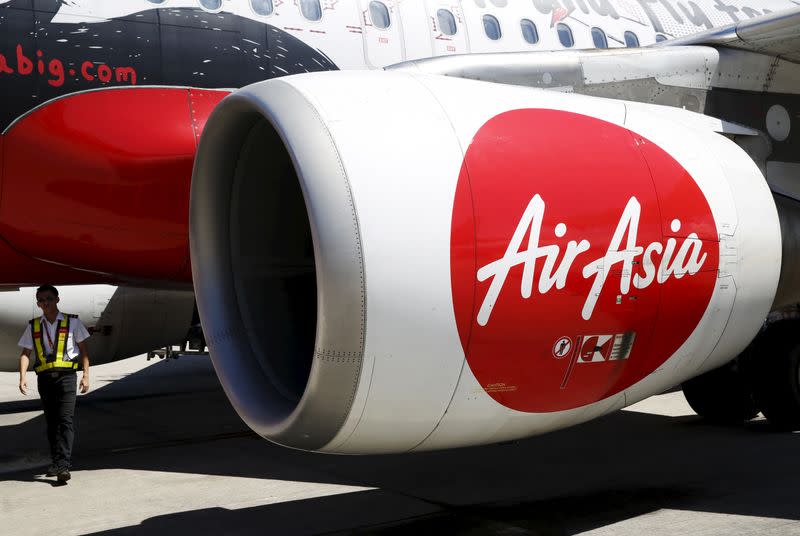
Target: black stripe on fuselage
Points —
{"points": [[182, 47]]}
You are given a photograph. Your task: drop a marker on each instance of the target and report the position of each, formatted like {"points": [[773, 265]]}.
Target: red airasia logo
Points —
{"points": [[582, 257]]}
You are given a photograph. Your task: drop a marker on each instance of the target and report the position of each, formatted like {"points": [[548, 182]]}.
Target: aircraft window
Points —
{"points": [[565, 35], [492, 27], [379, 14], [529, 31], [447, 22], [156, 1], [599, 38], [311, 9], [211, 5], [631, 41], [262, 7], [660, 38]]}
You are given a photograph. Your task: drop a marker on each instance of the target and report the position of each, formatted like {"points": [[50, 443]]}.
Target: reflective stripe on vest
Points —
{"points": [[55, 361]]}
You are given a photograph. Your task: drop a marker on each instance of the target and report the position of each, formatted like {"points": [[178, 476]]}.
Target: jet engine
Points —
{"points": [[386, 262]]}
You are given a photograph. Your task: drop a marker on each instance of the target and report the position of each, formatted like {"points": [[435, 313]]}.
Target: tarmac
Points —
{"points": [[159, 450]]}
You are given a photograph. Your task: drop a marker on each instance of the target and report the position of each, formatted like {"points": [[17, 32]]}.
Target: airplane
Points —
{"points": [[416, 225]]}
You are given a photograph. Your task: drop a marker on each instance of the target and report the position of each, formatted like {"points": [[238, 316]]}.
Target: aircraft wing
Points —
{"points": [[775, 34]]}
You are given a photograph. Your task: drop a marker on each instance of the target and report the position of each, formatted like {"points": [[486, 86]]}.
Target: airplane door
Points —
{"points": [[448, 27], [382, 31]]}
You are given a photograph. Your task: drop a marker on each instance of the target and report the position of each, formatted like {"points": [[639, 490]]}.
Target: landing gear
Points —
{"points": [[163, 353], [169, 352], [765, 377], [776, 374], [722, 395], [194, 344]]}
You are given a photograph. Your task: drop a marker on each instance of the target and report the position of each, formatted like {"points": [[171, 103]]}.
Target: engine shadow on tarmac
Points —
{"points": [[615, 468], [555, 516]]}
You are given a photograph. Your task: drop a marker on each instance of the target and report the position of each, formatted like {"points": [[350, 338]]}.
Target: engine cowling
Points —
{"points": [[109, 171], [386, 262]]}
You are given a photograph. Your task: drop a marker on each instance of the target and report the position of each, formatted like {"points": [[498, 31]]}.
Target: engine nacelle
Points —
{"points": [[109, 172], [386, 262]]}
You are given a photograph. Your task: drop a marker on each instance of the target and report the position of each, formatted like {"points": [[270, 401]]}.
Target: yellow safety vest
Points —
{"points": [[55, 361]]}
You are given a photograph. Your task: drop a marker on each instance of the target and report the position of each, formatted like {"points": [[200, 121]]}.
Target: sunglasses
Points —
{"points": [[47, 299]]}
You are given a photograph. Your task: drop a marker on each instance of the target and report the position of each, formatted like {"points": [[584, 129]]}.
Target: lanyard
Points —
{"points": [[47, 331]]}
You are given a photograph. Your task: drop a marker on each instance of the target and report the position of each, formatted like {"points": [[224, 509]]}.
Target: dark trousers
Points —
{"points": [[57, 391]]}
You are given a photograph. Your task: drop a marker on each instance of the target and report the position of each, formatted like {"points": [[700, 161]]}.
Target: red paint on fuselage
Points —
{"points": [[523, 170], [100, 181]]}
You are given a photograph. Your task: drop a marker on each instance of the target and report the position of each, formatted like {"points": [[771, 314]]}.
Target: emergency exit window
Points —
{"points": [[447, 22], [379, 14]]}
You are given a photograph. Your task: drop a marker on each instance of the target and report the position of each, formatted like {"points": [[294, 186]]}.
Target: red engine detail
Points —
{"points": [[17, 270], [575, 261], [100, 180]]}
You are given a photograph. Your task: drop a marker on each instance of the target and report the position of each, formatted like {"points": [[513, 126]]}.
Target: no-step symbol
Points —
{"points": [[562, 347]]}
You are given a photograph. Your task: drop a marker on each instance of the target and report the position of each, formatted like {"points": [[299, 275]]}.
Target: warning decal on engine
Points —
{"points": [[601, 348]]}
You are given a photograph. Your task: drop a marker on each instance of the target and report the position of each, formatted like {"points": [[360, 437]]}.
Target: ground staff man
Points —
{"points": [[58, 340]]}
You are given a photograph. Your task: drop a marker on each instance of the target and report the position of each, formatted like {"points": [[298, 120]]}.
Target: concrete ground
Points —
{"points": [[160, 451]]}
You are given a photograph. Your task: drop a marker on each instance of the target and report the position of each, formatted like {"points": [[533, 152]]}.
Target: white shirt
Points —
{"points": [[77, 333]]}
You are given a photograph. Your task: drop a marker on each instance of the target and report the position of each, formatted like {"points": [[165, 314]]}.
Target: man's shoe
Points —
{"points": [[52, 470], [63, 475]]}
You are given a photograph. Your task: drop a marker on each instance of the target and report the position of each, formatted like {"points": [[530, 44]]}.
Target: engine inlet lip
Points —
{"points": [[341, 303]]}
